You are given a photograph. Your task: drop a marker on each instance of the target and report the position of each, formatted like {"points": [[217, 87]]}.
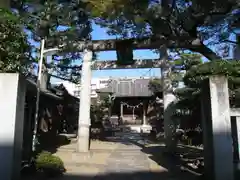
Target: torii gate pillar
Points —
{"points": [[84, 121], [168, 101]]}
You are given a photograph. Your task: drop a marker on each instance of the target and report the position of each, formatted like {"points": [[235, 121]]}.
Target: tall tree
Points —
{"points": [[15, 51], [187, 24], [58, 22]]}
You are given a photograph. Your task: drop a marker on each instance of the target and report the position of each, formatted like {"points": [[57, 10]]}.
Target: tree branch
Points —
{"points": [[64, 66], [205, 51], [62, 78], [233, 42]]}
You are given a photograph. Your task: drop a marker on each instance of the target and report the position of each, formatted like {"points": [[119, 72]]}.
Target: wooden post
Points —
{"points": [[218, 150]]}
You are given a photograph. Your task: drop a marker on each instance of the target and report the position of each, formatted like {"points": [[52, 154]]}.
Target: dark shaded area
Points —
{"points": [[187, 162], [183, 163], [51, 143], [58, 113], [119, 176]]}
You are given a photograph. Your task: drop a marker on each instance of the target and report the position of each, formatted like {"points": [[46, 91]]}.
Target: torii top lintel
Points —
{"points": [[142, 43]]}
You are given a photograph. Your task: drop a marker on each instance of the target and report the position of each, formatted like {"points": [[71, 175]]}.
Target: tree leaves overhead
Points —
{"points": [[61, 20], [124, 18], [202, 20], [14, 47], [58, 22]]}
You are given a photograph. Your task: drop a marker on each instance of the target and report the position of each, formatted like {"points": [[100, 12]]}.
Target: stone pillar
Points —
{"points": [[84, 121], [217, 137], [12, 103], [121, 110], [168, 99], [144, 113]]}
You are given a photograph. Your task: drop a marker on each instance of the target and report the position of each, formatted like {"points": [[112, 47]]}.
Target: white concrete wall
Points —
{"points": [[12, 102]]}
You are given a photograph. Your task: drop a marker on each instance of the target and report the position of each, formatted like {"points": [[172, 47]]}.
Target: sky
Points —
{"points": [[100, 33]]}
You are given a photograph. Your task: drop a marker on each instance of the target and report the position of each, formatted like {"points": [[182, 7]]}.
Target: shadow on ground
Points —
{"points": [[180, 165], [52, 143], [118, 176]]}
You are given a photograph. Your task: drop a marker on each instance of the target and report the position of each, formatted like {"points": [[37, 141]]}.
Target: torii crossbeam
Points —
{"points": [[106, 45], [138, 63]]}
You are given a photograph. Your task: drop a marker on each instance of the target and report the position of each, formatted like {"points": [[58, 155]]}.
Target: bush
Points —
{"points": [[49, 164]]}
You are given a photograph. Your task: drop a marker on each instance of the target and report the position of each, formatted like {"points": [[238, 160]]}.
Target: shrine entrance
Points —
{"points": [[132, 103], [130, 110]]}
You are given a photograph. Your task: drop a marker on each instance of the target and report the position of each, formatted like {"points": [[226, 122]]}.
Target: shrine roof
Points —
{"points": [[128, 88]]}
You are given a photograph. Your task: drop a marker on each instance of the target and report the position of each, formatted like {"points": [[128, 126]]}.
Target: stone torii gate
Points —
{"points": [[85, 95]]}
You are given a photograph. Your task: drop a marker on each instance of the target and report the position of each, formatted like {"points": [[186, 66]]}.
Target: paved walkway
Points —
{"points": [[121, 157], [128, 161]]}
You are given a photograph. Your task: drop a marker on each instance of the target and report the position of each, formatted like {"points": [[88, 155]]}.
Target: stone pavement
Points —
{"points": [[117, 155], [122, 157]]}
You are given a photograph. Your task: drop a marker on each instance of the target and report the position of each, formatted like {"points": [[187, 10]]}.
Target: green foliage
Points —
{"points": [[49, 164], [185, 61], [181, 19], [155, 85], [14, 48], [122, 11], [190, 96], [97, 111], [58, 22], [196, 74]]}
